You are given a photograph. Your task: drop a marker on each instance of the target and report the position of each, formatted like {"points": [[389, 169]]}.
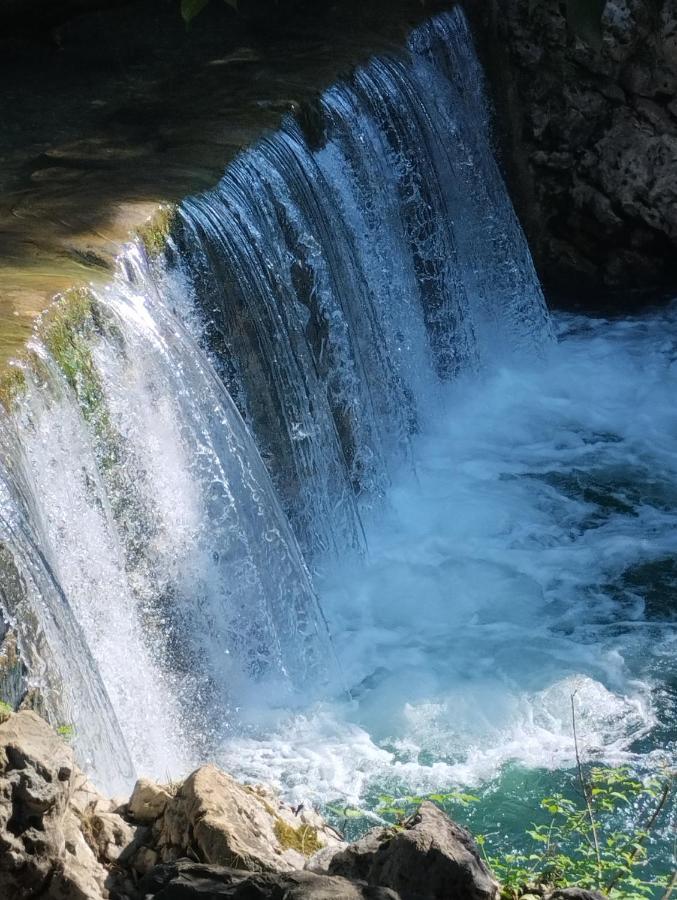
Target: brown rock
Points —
{"points": [[430, 858], [215, 819], [148, 801]]}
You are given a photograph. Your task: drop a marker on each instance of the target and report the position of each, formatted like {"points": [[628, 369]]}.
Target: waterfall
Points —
{"points": [[189, 444]]}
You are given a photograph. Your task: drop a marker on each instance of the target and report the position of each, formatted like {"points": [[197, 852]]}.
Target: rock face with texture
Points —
{"points": [[430, 858], [215, 819], [185, 880], [58, 836], [589, 138]]}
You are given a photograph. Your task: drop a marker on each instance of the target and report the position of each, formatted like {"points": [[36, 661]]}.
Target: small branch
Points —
{"points": [[646, 831], [671, 887], [586, 794]]}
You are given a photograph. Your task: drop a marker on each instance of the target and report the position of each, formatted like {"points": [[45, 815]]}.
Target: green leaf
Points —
{"points": [[191, 8]]}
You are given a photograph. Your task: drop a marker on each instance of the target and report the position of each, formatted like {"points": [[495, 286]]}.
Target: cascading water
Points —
{"points": [[402, 426], [342, 273]]}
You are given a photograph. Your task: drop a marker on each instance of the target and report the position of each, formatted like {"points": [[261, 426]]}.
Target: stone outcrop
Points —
{"points": [[185, 880], [430, 858], [214, 819], [58, 836], [589, 138]]}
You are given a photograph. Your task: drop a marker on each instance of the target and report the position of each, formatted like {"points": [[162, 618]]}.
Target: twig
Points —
{"points": [[671, 887], [584, 788]]}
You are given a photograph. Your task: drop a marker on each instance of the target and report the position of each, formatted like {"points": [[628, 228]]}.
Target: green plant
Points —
{"points": [[67, 732], [399, 808], [5, 711], [598, 836], [583, 846], [304, 839], [392, 809]]}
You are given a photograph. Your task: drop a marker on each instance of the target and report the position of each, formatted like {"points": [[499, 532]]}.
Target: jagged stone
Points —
{"points": [[57, 835], [217, 820], [148, 801], [430, 858], [185, 880]]}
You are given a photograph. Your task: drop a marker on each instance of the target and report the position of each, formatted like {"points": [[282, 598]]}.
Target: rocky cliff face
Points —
{"points": [[589, 139]]}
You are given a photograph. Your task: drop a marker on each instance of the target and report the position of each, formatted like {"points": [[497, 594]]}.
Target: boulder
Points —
{"points": [[429, 858], [148, 801], [57, 834], [216, 820], [185, 880]]}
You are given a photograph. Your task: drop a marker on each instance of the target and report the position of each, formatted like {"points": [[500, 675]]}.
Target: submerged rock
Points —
{"points": [[430, 858]]}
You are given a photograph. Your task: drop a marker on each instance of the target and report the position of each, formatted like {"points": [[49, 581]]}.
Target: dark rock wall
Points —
{"points": [[589, 141]]}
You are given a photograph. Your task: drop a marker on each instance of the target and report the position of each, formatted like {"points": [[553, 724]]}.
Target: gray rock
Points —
{"points": [[185, 880], [590, 139], [430, 858], [57, 835]]}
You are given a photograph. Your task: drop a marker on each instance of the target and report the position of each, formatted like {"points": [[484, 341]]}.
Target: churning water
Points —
{"points": [[325, 494], [528, 555]]}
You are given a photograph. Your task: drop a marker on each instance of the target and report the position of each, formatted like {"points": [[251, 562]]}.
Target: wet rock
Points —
{"points": [[184, 880], [430, 858], [57, 834], [215, 819], [12, 669]]}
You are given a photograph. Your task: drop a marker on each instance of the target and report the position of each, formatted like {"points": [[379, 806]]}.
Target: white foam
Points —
{"points": [[482, 608]]}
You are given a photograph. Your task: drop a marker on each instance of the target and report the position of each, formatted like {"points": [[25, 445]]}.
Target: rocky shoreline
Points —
{"points": [[207, 837]]}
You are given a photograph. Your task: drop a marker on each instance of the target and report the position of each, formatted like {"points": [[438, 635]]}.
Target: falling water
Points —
{"points": [[196, 439]]}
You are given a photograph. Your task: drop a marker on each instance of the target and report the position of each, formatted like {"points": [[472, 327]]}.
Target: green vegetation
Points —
{"points": [[153, 235], [67, 329], [67, 732], [583, 845], [304, 839], [5, 711], [600, 833], [12, 385]]}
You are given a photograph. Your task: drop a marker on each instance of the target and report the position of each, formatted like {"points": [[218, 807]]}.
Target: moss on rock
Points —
{"points": [[304, 839], [12, 385], [155, 233]]}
